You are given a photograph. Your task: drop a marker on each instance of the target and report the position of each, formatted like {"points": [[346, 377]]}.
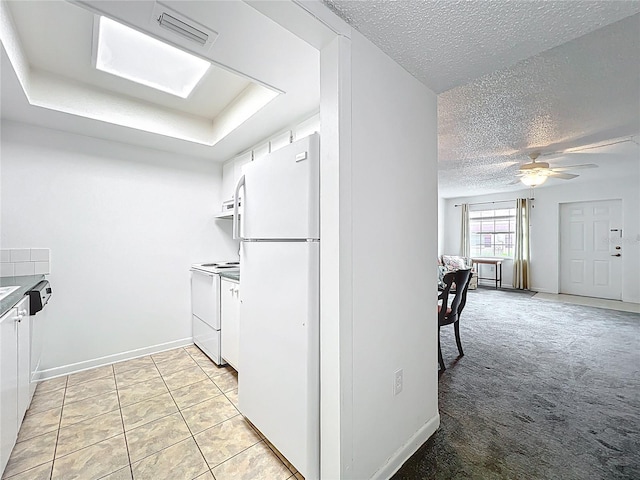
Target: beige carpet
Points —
{"points": [[545, 390]]}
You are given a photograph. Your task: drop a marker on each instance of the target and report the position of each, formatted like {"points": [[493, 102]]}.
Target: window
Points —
{"points": [[493, 233]]}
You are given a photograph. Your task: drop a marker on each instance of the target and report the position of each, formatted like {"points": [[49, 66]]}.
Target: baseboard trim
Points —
{"points": [[492, 284], [543, 290], [404, 453], [109, 359]]}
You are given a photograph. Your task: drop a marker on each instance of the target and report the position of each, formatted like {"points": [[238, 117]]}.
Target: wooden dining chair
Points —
{"points": [[450, 314]]}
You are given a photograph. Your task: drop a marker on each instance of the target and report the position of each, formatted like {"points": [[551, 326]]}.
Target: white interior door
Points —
{"points": [[591, 253]]}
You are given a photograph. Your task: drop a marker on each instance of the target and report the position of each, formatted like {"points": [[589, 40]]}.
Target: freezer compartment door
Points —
{"points": [[282, 193], [208, 339], [279, 347]]}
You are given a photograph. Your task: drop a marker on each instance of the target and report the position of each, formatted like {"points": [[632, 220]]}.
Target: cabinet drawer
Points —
{"points": [[207, 338]]}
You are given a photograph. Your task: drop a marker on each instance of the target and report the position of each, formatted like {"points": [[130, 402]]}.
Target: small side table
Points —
{"points": [[498, 270]]}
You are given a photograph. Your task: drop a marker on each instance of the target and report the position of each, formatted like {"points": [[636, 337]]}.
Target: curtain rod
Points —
{"points": [[498, 201]]}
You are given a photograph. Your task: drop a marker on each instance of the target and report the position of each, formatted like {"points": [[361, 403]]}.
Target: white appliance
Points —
{"points": [[279, 230], [39, 296], [205, 306]]}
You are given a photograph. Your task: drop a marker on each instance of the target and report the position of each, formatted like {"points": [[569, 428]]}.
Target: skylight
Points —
{"points": [[133, 55]]}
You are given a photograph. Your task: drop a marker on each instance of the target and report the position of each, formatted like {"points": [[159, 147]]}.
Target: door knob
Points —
{"points": [[616, 255]]}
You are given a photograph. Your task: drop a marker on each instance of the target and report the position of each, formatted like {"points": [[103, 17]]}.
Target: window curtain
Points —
{"points": [[522, 253], [465, 243]]}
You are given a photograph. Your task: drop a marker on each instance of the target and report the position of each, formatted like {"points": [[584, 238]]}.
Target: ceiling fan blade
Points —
{"points": [[564, 176], [574, 167]]}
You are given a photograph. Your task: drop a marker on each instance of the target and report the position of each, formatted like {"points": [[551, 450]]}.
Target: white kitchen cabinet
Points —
{"points": [[24, 359], [281, 140], [8, 385], [230, 317], [15, 373], [261, 151], [231, 173]]}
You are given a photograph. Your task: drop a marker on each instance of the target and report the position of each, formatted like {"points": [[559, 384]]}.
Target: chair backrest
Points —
{"points": [[463, 301], [461, 279]]}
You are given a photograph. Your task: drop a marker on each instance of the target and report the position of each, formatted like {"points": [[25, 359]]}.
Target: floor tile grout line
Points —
{"points": [[168, 446], [279, 454], [53, 461], [260, 440], [187, 424], [62, 405], [180, 370], [150, 421], [141, 381], [91, 379], [157, 452], [131, 367], [120, 410], [124, 431], [199, 402], [86, 446], [89, 445], [143, 400], [46, 433], [89, 418], [91, 396]]}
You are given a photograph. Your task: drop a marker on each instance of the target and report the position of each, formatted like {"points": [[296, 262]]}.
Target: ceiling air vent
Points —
{"points": [[185, 32], [181, 28]]}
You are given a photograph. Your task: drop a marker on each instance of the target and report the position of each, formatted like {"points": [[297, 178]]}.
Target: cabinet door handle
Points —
{"points": [[616, 255], [18, 318]]}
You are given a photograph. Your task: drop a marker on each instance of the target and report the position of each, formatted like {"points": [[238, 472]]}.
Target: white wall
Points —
{"points": [[393, 163], [545, 227], [336, 401], [441, 225], [124, 224]]}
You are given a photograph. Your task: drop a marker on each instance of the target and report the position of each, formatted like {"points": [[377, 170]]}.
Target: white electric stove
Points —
{"points": [[205, 306]]}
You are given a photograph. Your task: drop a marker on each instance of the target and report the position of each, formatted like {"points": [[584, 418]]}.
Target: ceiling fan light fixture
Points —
{"points": [[533, 179]]}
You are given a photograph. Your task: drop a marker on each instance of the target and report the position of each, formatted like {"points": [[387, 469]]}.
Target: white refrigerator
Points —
{"points": [[279, 230]]}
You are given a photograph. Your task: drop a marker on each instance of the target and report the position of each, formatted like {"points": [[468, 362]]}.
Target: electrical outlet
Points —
{"points": [[397, 381]]}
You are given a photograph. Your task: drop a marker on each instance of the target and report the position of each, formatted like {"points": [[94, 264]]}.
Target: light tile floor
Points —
{"points": [[171, 415]]}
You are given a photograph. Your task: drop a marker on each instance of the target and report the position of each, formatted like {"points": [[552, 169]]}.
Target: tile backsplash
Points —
{"points": [[15, 262]]}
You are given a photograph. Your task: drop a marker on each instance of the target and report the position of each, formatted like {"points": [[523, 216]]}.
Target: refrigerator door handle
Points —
{"points": [[236, 214]]}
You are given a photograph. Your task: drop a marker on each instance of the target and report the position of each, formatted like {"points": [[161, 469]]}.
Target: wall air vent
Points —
{"points": [[181, 28]]}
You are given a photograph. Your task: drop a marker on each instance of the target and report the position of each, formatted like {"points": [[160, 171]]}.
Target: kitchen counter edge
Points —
{"points": [[26, 283], [231, 275]]}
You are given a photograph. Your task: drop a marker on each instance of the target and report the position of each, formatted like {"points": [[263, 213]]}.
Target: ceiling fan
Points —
{"points": [[536, 173]]}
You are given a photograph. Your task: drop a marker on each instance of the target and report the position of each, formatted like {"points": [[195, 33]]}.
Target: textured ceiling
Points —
{"points": [[446, 43], [584, 92]]}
